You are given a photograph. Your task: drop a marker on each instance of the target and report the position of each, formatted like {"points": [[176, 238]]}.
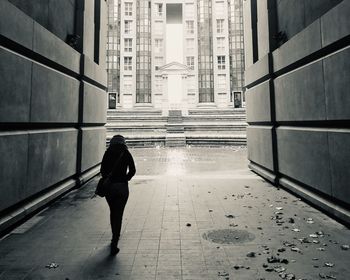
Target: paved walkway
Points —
{"points": [[177, 198]]}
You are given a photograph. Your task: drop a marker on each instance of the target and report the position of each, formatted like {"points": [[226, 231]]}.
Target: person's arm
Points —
{"points": [[103, 169], [131, 167]]}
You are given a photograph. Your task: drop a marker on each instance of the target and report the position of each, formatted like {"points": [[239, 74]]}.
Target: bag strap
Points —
{"points": [[116, 164]]}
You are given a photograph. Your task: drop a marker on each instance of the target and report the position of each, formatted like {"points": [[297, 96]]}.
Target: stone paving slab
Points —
{"points": [[176, 199]]}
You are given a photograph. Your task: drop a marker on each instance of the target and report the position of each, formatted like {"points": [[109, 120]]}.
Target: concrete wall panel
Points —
{"points": [[39, 10], [304, 43], [56, 16], [62, 12], [337, 77], [303, 155], [52, 158], [55, 97], [263, 28], [93, 146], [291, 17], [50, 46], [89, 28], [339, 148], [13, 171], [257, 71], [94, 71], [335, 24], [259, 141], [15, 25], [95, 104], [300, 95], [316, 8], [258, 103], [15, 87]]}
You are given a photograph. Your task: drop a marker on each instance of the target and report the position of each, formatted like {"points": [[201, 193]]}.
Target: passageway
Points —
{"points": [[178, 201]]}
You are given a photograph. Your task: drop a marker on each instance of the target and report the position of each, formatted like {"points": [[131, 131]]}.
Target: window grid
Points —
{"points": [[221, 62], [190, 27], [220, 26], [127, 63], [128, 8], [127, 45], [190, 62], [205, 51]]}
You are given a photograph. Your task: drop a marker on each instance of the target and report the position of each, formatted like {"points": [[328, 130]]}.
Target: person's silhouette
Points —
{"points": [[118, 164]]}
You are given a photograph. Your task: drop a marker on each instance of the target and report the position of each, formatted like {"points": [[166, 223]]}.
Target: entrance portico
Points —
{"points": [[174, 76]]}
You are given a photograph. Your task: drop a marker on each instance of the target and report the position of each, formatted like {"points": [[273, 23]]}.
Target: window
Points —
{"points": [[159, 9], [190, 26], [127, 63], [221, 44], [128, 83], [158, 61], [220, 26], [190, 62], [158, 27], [190, 45], [113, 99], [221, 62], [219, 8], [128, 45], [159, 83], [221, 81], [191, 83], [127, 27], [158, 45], [189, 10], [128, 9]]}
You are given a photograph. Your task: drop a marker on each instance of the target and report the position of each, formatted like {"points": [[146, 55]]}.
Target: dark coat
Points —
{"points": [[126, 167]]}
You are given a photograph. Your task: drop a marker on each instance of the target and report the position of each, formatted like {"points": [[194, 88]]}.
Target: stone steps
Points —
{"points": [[203, 127]]}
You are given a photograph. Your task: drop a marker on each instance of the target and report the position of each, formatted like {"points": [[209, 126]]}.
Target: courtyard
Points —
{"points": [[193, 213]]}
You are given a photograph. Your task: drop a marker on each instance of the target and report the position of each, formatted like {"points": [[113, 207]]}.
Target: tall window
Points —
{"points": [[189, 10], [127, 26], [128, 9], [159, 9], [159, 83], [158, 45], [221, 62], [158, 27], [219, 8], [127, 82], [127, 63], [158, 61], [221, 81], [190, 26], [128, 45], [220, 26], [190, 62], [190, 45], [221, 44]]}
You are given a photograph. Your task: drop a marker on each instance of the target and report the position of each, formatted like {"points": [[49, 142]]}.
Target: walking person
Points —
{"points": [[118, 164]]}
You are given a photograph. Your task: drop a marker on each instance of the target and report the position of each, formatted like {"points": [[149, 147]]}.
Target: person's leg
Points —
{"points": [[118, 217]]}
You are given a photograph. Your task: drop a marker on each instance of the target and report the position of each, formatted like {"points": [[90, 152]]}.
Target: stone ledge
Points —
{"points": [[328, 206]]}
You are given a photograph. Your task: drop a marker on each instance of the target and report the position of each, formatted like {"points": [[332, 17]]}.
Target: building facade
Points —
{"points": [[53, 100], [297, 79], [175, 54]]}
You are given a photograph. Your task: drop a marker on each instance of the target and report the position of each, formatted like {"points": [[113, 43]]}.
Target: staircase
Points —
{"points": [[200, 127], [175, 132]]}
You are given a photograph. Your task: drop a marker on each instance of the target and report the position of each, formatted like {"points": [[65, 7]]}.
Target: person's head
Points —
{"points": [[117, 140]]}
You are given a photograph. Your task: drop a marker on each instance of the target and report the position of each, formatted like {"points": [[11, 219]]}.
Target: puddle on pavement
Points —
{"points": [[228, 236]]}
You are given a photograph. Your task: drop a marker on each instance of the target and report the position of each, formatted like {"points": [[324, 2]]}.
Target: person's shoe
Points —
{"points": [[114, 249]]}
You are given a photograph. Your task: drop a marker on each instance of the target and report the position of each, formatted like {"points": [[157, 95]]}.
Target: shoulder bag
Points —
{"points": [[104, 183]]}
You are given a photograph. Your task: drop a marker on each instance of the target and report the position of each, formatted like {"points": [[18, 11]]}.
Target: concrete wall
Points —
{"points": [[56, 16], [53, 102], [295, 15], [298, 103]]}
